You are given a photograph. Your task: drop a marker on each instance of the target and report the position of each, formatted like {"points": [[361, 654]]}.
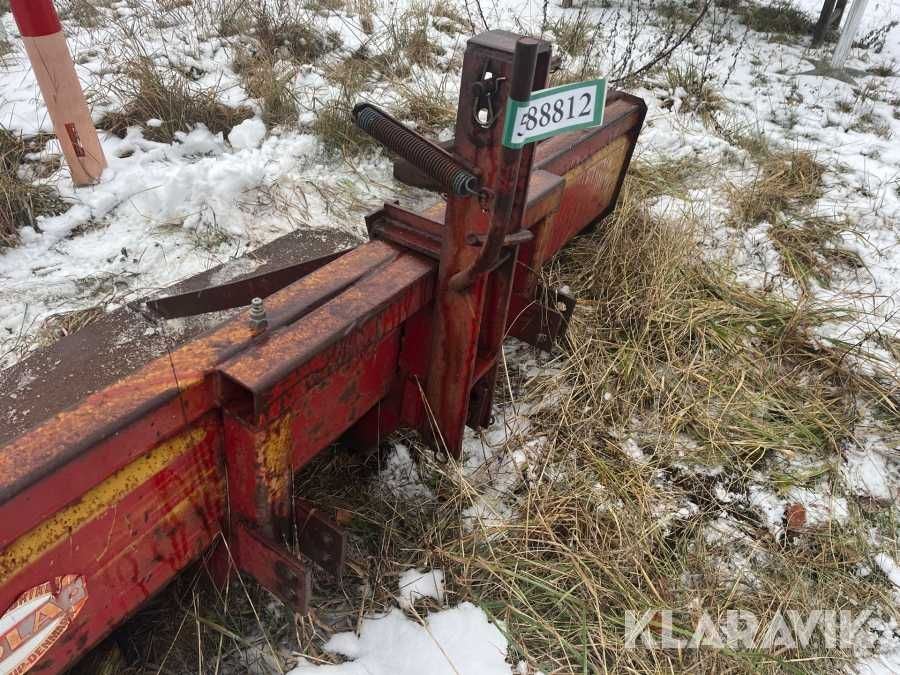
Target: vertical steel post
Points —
{"points": [[842, 51], [54, 70], [467, 332]]}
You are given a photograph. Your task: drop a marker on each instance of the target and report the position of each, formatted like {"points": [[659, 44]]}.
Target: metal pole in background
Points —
{"points": [[824, 21], [848, 33], [54, 70]]}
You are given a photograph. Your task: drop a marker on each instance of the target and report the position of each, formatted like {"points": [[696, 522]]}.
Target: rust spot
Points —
{"points": [[794, 517]]}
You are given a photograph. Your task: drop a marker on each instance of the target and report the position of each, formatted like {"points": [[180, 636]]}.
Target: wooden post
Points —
{"points": [[55, 73]]}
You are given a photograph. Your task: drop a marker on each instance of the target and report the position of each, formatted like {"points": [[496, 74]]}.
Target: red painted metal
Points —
{"points": [[35, 17], [463, 331], [136, 478], [274, 567]]}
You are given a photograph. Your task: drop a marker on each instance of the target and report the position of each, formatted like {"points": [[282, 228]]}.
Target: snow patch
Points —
{"points": [[248, 134], [400, 475], [867, 471], [415, 584], [890, 568], [457, 641]]}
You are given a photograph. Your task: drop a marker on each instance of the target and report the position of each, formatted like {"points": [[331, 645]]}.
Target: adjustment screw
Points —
{"points": [[258, 320]]}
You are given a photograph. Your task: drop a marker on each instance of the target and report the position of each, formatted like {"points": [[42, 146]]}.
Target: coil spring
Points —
{"points": [[407, 143]]}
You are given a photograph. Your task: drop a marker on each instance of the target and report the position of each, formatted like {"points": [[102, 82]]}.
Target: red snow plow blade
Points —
{"points": [[121, 465]]}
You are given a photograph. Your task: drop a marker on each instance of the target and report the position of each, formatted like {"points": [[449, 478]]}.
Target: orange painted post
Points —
{"points": [[55, 72]]}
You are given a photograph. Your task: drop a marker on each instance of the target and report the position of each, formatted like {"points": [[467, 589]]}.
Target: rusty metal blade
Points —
{"points": [[236, 293]]}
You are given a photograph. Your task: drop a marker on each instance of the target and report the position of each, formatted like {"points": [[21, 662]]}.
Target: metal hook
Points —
{"points": [[485, 92]]}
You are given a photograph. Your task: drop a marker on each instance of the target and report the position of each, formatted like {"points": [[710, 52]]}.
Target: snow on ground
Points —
{"points": [[165, 211], [452, 641], [415, 584]]}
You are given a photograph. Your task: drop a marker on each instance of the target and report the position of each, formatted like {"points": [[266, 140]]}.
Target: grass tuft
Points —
{"points": [[695, 88], [409, 40], [21, 201], [353, 72], [573, 35], [785, 180], [663, 176], [285, 33], [85, 13], [6, 48], [335, 128], [883, 69], [152, 92], [427, 105], [271, 82], [813, 249], [870, 122], [58, 326], [779, 17]]}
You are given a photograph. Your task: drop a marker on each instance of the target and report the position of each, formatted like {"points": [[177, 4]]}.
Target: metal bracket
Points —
{"points": [[408, 229], [273, 566], [541, 325], [520, 237], [320, 539]]}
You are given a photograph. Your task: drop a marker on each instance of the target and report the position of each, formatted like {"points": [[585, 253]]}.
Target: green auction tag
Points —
{"points": [[554, 111]]}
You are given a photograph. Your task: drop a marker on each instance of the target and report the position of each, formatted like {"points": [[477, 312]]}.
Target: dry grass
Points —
{"points": [[150, 91], [408, 42], [365, 9], [813, 250], [352, 73], [335, 127], [333, 123], [449, 19], [649, 178], [574, 35], [426, 104], [6, 48], [870, 122], [883, 69], [699, 95], [271, 82], [786, 180], [325, 6], [232, 17], [58, 326], [664, 348], [21, 201], [85, 13], [780, 17], [285, 32]]}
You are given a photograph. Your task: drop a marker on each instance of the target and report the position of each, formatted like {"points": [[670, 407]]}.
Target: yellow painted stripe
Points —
{"points": [[63, 524]]}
